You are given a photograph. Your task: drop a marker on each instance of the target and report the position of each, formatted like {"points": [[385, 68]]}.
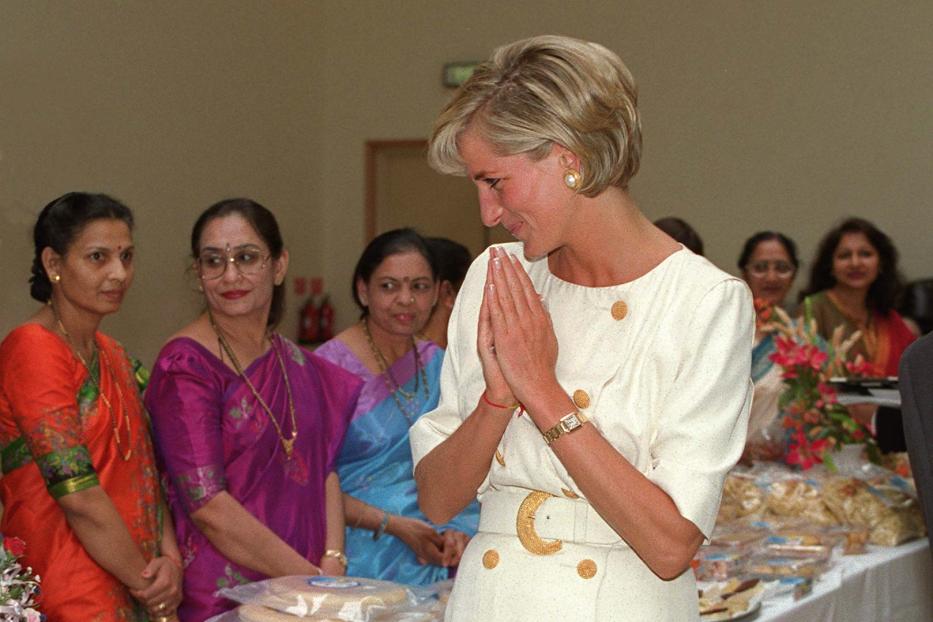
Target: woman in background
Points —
{"points": [[769, 264], [79, 479], [681, 231], [247, 423], [453, 260], [395, 287], [854, 283]]}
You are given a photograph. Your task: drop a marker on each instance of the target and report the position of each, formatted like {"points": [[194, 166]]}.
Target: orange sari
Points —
{"points": [[883, 340], [58, 437]]}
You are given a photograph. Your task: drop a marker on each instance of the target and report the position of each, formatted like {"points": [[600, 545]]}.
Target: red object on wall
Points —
{"points": [[309, 322]]}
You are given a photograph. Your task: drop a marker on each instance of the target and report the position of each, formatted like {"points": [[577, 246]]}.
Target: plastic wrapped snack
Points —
{"points": [[796, 497], [776, 567], [730, 599], [718, 564], [802, 543], [737, 536], [891, 515], [348, 599], [742, 494]]}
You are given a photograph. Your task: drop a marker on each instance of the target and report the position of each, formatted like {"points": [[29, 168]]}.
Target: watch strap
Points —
{"points": [[571, 422]]}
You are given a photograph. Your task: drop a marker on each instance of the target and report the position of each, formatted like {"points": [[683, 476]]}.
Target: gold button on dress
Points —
{"points": [[581, 399], [587, 569], [619, 310]]}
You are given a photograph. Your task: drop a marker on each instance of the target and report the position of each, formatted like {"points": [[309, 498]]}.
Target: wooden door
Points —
{"points": [[403, 191]]}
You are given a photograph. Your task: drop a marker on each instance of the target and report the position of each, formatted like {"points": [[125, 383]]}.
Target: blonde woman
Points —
{"points": [[596, 386]]}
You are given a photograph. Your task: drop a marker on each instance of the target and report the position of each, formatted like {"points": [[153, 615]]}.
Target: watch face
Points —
{"points": [[572, 422]]}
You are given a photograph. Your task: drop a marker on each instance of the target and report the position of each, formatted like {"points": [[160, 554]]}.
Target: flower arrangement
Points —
{"points": [[815, 422], [18, 587]]}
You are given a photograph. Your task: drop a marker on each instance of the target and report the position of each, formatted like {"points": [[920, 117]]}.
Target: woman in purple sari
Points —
{"points": [[247, 424]]}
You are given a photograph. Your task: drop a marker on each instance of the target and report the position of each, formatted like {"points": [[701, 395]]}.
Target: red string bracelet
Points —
{"points": [[494, 405], [519, 405]]}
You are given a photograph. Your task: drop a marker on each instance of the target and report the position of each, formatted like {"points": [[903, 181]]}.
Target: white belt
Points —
{"points": [[545, 516]]}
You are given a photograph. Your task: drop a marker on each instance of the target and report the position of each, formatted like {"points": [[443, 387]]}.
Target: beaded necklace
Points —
{"points": [[101, 354], [394, 387], [288, 443]]}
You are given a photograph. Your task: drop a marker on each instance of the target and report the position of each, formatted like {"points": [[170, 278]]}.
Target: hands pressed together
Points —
{"points": [[516, 341]]}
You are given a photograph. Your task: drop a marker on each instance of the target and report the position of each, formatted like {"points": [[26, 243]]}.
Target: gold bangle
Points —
{"points": [[338, 555]]}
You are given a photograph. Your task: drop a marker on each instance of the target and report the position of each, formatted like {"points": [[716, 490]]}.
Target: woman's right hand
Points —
{"points": [[420, 537], [163, 594], [497, 389]]}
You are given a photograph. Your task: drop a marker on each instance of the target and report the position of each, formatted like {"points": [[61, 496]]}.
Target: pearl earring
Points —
{"points": [[56, 278], [572, 178]]}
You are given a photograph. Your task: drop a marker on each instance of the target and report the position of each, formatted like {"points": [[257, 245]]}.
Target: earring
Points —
{"points": [[572, 178], [56, 278]]}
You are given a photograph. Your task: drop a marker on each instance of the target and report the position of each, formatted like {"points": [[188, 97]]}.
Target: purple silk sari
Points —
{"points": [[212, 435]]}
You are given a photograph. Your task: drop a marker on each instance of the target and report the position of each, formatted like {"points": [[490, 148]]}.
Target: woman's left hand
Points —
{"points": [[454, 544], [525, 343], [163, 595]]}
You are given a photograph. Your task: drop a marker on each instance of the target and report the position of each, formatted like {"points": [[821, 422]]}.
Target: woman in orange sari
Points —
{"points": [[854, 284], [79, 479]]}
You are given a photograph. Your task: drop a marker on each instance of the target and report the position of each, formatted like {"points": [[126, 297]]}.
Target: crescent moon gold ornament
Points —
{"points": [[525, 526]]}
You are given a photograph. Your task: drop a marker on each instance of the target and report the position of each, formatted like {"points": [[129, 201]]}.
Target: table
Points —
{"points": [[887, 584]]}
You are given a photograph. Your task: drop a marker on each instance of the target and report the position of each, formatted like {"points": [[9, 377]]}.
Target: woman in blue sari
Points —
{"points": [[768, 263], [387, 537]]}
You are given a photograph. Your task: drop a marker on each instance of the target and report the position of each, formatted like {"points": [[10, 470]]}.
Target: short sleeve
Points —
{"points": [[702, 422], [184, 399], [40, 377]]}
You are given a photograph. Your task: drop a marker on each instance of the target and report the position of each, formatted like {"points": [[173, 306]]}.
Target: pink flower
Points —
{"points": [[804, 453], [812, 416], [14, 545]]}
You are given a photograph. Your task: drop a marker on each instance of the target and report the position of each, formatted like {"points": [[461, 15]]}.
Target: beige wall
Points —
{"points": [[757, 115]]}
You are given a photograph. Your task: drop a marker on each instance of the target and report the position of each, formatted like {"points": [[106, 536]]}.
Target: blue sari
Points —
{"points": [[375, 463], [761, 363]]}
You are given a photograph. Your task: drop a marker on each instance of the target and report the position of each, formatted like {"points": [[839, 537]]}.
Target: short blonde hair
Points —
{"points": [[545, 90]]}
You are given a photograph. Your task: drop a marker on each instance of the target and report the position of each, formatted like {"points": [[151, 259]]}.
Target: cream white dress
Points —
{"points": [[660, 366]]}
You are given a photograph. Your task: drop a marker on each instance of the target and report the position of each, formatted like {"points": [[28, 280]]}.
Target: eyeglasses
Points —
{"points": [[248, 260], [761, 268]]}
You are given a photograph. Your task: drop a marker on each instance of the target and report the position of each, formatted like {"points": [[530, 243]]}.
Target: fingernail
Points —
{"points": [[497, 263]]}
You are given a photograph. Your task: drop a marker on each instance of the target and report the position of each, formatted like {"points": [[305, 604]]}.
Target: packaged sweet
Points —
{"points": [[737, 536], [797, 497], [348, 599], [713, 563], [730, 599], [891, 515], [801, 543], [742, 493], [775, 567]]}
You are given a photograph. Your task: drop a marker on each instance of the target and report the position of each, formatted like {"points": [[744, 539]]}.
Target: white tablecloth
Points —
{"points": [[883, 585]]}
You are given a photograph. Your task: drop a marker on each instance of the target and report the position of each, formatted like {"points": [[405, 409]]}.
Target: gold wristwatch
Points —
{"points": [[567, 424]]}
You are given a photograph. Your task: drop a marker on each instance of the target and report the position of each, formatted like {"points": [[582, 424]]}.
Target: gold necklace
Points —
{"points": [[395, 389], [113, 418], [288, 444]]}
